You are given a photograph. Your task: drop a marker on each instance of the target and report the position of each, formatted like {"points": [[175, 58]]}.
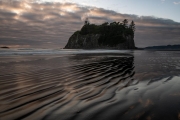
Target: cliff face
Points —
{"points": [[128, 44], [90, 41], [78, 41]]}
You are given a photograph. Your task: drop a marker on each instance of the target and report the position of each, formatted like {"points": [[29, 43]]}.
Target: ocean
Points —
{"points": [[58, 84]]}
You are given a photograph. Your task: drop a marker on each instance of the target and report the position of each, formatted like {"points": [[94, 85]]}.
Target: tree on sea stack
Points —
{"points": [[86, 22], [132, 26], [125, 23], [85, 28]]}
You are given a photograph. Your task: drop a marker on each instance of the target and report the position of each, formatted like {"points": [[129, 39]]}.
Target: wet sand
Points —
{"points": [[135, 85]]}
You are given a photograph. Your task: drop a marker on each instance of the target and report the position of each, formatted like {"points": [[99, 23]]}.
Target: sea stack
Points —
{"points": [[114, 35]]}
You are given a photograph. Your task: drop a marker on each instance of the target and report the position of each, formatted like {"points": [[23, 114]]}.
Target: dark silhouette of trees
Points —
{"points": [[132, 26], [111, 33], [86, 22], [125, 23]]}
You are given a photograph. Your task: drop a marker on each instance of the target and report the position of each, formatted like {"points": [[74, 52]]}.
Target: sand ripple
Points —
{"points": [[89, 87], [48, 93]]}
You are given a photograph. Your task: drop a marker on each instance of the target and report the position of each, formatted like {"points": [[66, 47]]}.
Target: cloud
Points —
{"points": [[50, 24], [162, 1], [176, 3]]}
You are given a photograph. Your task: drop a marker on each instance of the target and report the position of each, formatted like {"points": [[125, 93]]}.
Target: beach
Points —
{"points": [[89, 85]]}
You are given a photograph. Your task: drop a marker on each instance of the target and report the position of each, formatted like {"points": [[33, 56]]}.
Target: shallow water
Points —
{"points": [[89, 85]]}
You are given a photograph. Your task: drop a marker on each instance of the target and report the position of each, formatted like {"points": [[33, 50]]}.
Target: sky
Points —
{"points": [[50, 23]]}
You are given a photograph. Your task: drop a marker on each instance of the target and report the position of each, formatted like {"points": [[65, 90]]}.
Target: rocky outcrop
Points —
{"points": [[5, 47], [78, 41], [90, 41], [128, 44]]}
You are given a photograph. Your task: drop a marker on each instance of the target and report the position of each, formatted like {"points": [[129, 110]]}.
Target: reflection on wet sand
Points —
{"points": [[90, 87]]}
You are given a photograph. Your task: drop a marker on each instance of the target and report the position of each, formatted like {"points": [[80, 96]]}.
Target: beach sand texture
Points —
{"points": [[138, 85]]}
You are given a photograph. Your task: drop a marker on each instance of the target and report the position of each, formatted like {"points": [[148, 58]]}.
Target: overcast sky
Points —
{"points": [[50, 23]]}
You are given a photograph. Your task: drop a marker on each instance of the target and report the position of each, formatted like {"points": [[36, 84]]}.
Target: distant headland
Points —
{"points": [[115, 35], [165, 47]]}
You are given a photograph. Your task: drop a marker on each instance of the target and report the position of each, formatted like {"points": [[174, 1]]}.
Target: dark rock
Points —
{"points": [[78, 41], [90, 41], [5, 47]]}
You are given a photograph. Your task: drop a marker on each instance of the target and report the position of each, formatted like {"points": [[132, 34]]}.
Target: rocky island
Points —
{"points": [[5, 47], [113, 35]]}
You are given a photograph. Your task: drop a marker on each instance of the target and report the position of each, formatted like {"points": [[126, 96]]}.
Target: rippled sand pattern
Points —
{"points": [[89, 87]]}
